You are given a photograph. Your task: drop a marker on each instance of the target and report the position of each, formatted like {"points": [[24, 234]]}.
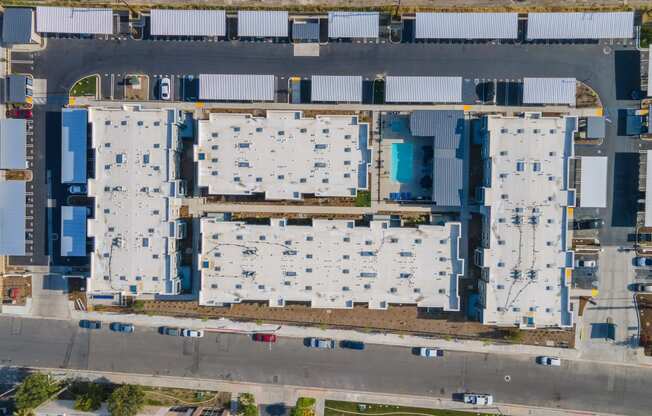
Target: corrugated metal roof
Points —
{"points": [[12, 144], [648, 190], [17, 88], [595, 127], [649, 73], [188, 22], [236, 87], [446, 126], [74, 125], [447, 181], [329, 88], [17, 25], [353, 24], [467, 25], [423, 89], [73, 231], [262, 24], [12, 218], [593, 185], [580, 25], [549, 91], [74, 20], [305, 31]]}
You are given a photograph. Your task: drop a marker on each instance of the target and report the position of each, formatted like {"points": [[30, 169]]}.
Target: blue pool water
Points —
{"points": [[402, 162]]}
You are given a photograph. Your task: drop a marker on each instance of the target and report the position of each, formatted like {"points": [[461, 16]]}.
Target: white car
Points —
{"points": [[192, 333], [588, 264], [431, 352], [478, 399], [321, 343], [165, 88], [549, 361]]}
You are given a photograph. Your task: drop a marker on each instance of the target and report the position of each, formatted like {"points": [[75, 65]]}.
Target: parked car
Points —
{"points": [[478, 399], [165, 88], [87, 324], [431, 352], [19, 113], [77, 189], [264, 337], [588, 224], [587, 264], [122, 327], [166, 330], [192, 333], [643, 261], [549, 361], [643, 287], [352, 345], [321, 343]]}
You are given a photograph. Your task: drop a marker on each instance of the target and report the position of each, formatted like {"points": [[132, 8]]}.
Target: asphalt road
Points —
{"points": [[576, 385]]}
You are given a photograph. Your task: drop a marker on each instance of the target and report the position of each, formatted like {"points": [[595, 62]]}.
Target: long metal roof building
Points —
{"points": [[17, 25], [466, 25], [74, 20], [423, 89], [353, 24], [580, 25], [74, 130], [593, 184], [12, 218], [549, 91], [331, 88], [188, 22], [238, 87], [73, 231], [447, 179], [262, 24], [12, 144], [649, 73]]}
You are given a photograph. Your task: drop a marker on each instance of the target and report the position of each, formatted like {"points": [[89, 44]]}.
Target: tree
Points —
{"points": [[305, 407], [34, 390], [247, 405], [126, 400], [90, 397]]}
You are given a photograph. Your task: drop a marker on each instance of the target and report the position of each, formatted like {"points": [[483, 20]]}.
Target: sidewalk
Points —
{"points": [[268, 394]]}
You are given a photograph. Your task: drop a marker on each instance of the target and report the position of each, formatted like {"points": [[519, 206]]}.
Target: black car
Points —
{"points": [[588, 224], [166, 330], [352, 345], [86, 324]]}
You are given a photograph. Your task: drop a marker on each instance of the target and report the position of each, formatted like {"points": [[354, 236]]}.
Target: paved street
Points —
{"points": [[576, 385]]}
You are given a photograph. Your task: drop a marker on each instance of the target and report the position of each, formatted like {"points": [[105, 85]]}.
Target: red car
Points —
{"points": [[265, 337], [19, 113]]}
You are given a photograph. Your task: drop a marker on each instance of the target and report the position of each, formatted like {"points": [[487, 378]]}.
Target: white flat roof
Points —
{"points": [[594, 182], [466, 25], [134, 188], [331, 264], [283, 155], [525, 253], [90, 21], [188, 22]]}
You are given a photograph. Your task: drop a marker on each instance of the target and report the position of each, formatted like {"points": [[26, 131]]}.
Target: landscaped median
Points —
{"points": [[339, 408], [85, 87]]}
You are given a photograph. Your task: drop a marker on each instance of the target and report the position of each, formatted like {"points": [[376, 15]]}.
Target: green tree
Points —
{"points": [[247, 405], [126, 400], [34, 390], [305, 407], [90, 397]]}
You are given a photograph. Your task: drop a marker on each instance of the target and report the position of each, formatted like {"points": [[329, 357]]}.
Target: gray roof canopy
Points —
{"points": [[188, 22], [262, 24], [353, 24], [580, 25], [17, 25], [467, 25]]}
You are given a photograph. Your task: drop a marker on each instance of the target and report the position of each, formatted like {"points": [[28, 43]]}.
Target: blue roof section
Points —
{"points": [[12, 218], [73, 231], [74, 125]]}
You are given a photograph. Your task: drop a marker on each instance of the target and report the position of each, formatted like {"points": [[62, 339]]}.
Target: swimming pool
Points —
{"points": [[402, 162]]}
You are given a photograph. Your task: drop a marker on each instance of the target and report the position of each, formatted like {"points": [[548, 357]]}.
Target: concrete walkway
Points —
{"points": [[274, 394]]}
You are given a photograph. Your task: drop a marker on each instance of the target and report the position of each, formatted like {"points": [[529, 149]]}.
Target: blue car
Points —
{"points": [[122, 327], [352, 345], [86, 324]]}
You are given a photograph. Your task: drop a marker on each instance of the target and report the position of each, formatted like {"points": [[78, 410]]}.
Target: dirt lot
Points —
{"points": [[397, 319], [645, 314], [136, 87], [586, 96]]}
